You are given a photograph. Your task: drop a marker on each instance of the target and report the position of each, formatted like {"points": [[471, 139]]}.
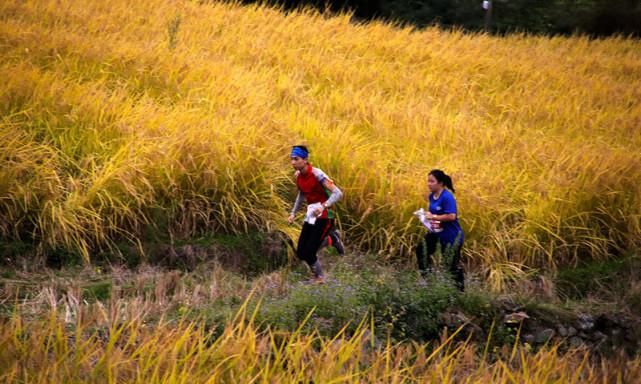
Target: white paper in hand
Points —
{"points": [[310, 217], [422, 217]]}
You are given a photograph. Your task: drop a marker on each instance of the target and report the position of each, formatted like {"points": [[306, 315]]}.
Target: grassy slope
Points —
{"points": [[97, 324]]}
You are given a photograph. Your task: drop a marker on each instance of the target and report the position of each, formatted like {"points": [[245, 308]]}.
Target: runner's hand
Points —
{"points": [[290, 219]]}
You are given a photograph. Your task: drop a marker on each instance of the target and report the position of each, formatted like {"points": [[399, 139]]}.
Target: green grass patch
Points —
{"points": [[595, 277], [98, 291]]}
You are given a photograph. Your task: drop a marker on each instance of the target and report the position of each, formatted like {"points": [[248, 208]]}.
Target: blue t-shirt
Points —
{"points": [[443, 205]]}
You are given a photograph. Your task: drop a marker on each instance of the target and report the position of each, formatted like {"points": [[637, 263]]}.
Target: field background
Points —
{"points": [[118, 116], [123, 119], [128, 124]]}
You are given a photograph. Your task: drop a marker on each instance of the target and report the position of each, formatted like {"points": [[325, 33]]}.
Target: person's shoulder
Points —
{"points": [[447, 194], [320, 175]]}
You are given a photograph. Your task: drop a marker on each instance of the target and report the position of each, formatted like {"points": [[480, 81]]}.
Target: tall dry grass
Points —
{"points": [[153, 325], [119, 116], [101, 346]]}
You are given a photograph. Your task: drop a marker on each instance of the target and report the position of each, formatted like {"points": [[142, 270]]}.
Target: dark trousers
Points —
{"points": [[451, 254], [311, 238]]}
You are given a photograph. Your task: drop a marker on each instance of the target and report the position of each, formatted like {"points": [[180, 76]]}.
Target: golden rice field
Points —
{"points": [[122, 117]]}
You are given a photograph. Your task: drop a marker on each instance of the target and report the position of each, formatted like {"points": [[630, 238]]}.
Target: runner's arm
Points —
{"points": [[297, 203], [445, 217], [336, 195]]}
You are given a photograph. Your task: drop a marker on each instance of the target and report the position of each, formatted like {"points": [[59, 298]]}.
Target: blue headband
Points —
{"points": [[299, 152]]}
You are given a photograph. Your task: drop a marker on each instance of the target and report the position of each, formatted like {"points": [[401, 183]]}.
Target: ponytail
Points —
{"points": [[444, 178], [448, 183]]}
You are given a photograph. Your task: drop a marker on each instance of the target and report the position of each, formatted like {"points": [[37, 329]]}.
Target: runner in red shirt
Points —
{"points": [[321, 194]]}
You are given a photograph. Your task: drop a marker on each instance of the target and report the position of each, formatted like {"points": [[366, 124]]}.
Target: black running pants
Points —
{"points": [[310, 239], [451, 254]]}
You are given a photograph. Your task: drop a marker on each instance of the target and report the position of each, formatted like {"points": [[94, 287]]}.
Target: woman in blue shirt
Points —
{"points": [[445, 229]]}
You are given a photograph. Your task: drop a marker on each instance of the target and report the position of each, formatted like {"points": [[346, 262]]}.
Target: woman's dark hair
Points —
{"points": [[442, 177]]}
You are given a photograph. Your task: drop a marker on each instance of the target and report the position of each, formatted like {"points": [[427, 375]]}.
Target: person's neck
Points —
{"points": [[304, 170], [437, 194]]}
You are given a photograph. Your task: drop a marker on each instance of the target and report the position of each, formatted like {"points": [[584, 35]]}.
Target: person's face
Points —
{"points": [[433, 185], [298, 163]]}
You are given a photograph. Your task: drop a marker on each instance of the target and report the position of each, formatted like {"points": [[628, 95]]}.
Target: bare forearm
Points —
{"points": [[445, 218]]}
